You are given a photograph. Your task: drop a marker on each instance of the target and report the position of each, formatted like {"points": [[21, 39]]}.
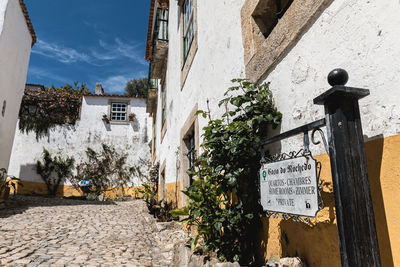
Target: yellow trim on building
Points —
{"points": [[37, 188], [172, 192], [318, 243]]}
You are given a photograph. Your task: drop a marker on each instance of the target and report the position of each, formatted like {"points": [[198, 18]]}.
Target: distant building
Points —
{"points": [[196, 47], [17, 36], [118, 121]]}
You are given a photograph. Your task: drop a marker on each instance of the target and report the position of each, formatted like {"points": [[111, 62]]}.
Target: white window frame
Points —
{"points": [[127, 110]]}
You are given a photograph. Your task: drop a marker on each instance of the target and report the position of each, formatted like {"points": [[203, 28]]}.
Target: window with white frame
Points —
{"points": [[118, 111], [188, 26]]}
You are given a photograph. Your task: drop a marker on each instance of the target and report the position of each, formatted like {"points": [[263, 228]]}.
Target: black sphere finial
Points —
{"points": [[338, 77]]}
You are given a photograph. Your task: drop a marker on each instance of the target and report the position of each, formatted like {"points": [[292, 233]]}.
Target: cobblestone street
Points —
{"points": [[38, 231]]}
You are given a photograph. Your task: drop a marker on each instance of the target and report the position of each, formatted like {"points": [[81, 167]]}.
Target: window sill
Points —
{"points": [[120, 122]]}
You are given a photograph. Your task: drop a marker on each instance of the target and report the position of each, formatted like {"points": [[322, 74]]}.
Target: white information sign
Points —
{"points": [[290, 186]]}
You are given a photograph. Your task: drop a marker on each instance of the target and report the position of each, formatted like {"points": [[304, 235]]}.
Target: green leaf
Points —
{"points": [[249, 216], [194, 242], [226, 169], [180, 212]]}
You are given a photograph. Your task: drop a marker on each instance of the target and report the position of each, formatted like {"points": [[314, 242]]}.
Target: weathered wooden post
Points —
{"points": [[354, 212]]}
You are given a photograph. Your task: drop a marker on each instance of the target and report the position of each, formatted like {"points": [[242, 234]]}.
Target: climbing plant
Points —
{"points": [[223, 201], [105, 169], [54, 170], [43, 109]]}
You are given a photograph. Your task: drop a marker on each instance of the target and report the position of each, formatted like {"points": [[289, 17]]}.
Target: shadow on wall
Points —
{"points": [[135, 125], [28, 173], [33, 184], [318, 244], [374, 151], [107, 125]]}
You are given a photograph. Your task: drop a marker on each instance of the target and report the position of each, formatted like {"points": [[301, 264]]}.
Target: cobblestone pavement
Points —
{"points": [[38, 231]]}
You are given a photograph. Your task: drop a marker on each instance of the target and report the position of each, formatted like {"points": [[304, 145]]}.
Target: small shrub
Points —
{"points": [[54, 170], [105, 169], [160, 209], [92, 197]]}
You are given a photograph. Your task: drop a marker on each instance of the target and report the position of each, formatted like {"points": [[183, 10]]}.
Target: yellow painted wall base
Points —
{"points": [[318, 243], [172, 193], [36, 188]]}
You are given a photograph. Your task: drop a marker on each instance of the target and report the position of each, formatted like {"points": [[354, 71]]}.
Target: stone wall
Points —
{"points": [[361, 37]]}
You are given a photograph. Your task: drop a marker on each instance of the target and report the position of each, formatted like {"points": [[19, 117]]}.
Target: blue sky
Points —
{"points": [[88, 41]]}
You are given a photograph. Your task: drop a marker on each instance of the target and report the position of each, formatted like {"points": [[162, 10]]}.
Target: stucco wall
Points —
{"points": [[219, 59], [359, 36], [89, 131], [15, 47]]}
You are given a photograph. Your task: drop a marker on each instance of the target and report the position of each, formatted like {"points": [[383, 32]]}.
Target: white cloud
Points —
{"points": [[43, 73], [118, 82], [105, 52], [115, 83], [119, 49], [60, 53]]}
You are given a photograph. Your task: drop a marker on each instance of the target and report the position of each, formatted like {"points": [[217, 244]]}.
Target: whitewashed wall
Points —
{"points": [[15, 47], [218, 60], [359, 36], [89, 131], [3, 7]]}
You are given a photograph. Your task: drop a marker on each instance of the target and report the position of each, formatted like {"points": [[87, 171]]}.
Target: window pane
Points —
{"points": [[187, 13], [188, 27], [118, 111]]}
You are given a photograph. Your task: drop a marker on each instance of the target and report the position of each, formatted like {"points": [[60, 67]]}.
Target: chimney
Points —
{"points": [[99, 89]]}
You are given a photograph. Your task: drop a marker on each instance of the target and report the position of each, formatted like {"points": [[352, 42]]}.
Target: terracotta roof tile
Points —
{"points": [[28, 21], [115, 95], [149, 31]]}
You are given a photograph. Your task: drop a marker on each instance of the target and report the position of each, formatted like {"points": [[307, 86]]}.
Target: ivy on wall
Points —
{"points": [[43, 109]]}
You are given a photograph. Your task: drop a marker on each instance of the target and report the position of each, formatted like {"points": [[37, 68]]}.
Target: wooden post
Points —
{"points": [[358, 241]]}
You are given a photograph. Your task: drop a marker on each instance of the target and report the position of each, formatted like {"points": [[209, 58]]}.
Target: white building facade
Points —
{"points": [[92, 129], [16, 39], [211, 42]]}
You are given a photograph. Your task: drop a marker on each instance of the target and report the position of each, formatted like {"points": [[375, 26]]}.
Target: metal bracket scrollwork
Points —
{"points": [[306, 141], [322, 137], [283, 156], [263, 160]]}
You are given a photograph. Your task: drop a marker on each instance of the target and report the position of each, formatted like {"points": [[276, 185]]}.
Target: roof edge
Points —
{"points": [[115, 96], [150, 30], [28, 21]]}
